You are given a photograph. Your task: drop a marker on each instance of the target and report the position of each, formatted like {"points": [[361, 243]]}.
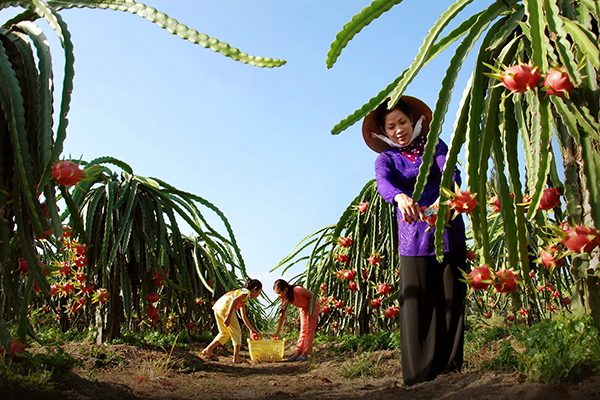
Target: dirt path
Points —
{"points": [[130, 373]]}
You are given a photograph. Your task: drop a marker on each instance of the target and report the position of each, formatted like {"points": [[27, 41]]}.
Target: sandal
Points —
{"points": [[301, 358], [292, 358]]}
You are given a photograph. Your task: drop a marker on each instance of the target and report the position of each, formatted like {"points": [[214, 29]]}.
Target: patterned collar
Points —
{"points": [[414, 150]]}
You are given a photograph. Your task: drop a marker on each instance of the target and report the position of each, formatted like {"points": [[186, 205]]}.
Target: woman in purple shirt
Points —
{"points": [[432, 299]]}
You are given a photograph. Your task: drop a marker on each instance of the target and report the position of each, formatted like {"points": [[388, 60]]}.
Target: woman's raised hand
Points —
{"points": [[410, 209]]}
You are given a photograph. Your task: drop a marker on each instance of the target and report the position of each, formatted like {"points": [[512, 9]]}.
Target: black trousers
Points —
{"points": [[432, 310]]}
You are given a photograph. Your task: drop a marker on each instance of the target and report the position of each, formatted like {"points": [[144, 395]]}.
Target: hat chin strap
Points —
{"points": [[416, 133]]}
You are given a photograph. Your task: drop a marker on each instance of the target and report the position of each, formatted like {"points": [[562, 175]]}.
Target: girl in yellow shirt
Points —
{"points": [[227, 322]]}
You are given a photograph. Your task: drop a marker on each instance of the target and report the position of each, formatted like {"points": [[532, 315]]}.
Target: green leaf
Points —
{"points": [[367, 108], [24, 309], [350, 210], [179, 255], [109, 228], [172, 26], [5, 339], [56, 22], [111, 160], [421, 58], [506, 31], [478, 142], [507, 210], [126, 290], [210, 255], [11, 101], [536, 21], [446, 90], [24, 234], [453, 36], [456, 142], [491, 122], [592, 6], [91, 210], [125, 229], [299, 248], [217, 211], [584, 40], [511, 128], [76, 221], [39, 40], [313, 284], [356, 24], [591, 168], [50, 195], [544, 131], [567, 114], [563, 46], [432, 52], [473, 148], [585, 119], [23, 62], [533, 119]]}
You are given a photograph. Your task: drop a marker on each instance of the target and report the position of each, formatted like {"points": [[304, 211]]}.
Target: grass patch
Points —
{"points": [[364, 365], [181, 340], [565, 349], [486, 347], [35, 376], [369, 342]]}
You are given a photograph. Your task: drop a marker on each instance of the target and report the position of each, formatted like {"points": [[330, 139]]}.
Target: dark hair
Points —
{"points": [[382, 111], [252, 284], [282, 284]]}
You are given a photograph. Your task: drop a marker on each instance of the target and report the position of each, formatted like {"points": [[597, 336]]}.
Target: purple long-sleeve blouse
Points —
{"points": [[396, 174]]}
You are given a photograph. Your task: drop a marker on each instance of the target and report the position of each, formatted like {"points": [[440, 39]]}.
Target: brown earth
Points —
{"points": [[122, 372]]}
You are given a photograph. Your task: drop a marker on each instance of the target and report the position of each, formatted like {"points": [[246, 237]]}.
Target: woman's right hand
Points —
{"points": [[410, 209]]}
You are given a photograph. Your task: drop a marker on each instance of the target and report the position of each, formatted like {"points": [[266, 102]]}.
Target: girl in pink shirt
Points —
{"points": [[301, 298]]}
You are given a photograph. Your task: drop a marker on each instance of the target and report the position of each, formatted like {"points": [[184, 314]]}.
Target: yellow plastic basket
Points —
{"points": [[266, 350]]}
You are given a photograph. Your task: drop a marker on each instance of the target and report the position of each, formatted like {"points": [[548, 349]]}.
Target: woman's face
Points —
{"points": [[398, 127], [281, 293]]}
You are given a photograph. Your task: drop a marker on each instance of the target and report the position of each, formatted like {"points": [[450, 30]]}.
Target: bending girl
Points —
{"points": [[227, 322], [301, 298]]}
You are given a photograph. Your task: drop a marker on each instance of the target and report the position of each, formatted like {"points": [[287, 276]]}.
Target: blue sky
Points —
{"points": [[256, 142]]}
